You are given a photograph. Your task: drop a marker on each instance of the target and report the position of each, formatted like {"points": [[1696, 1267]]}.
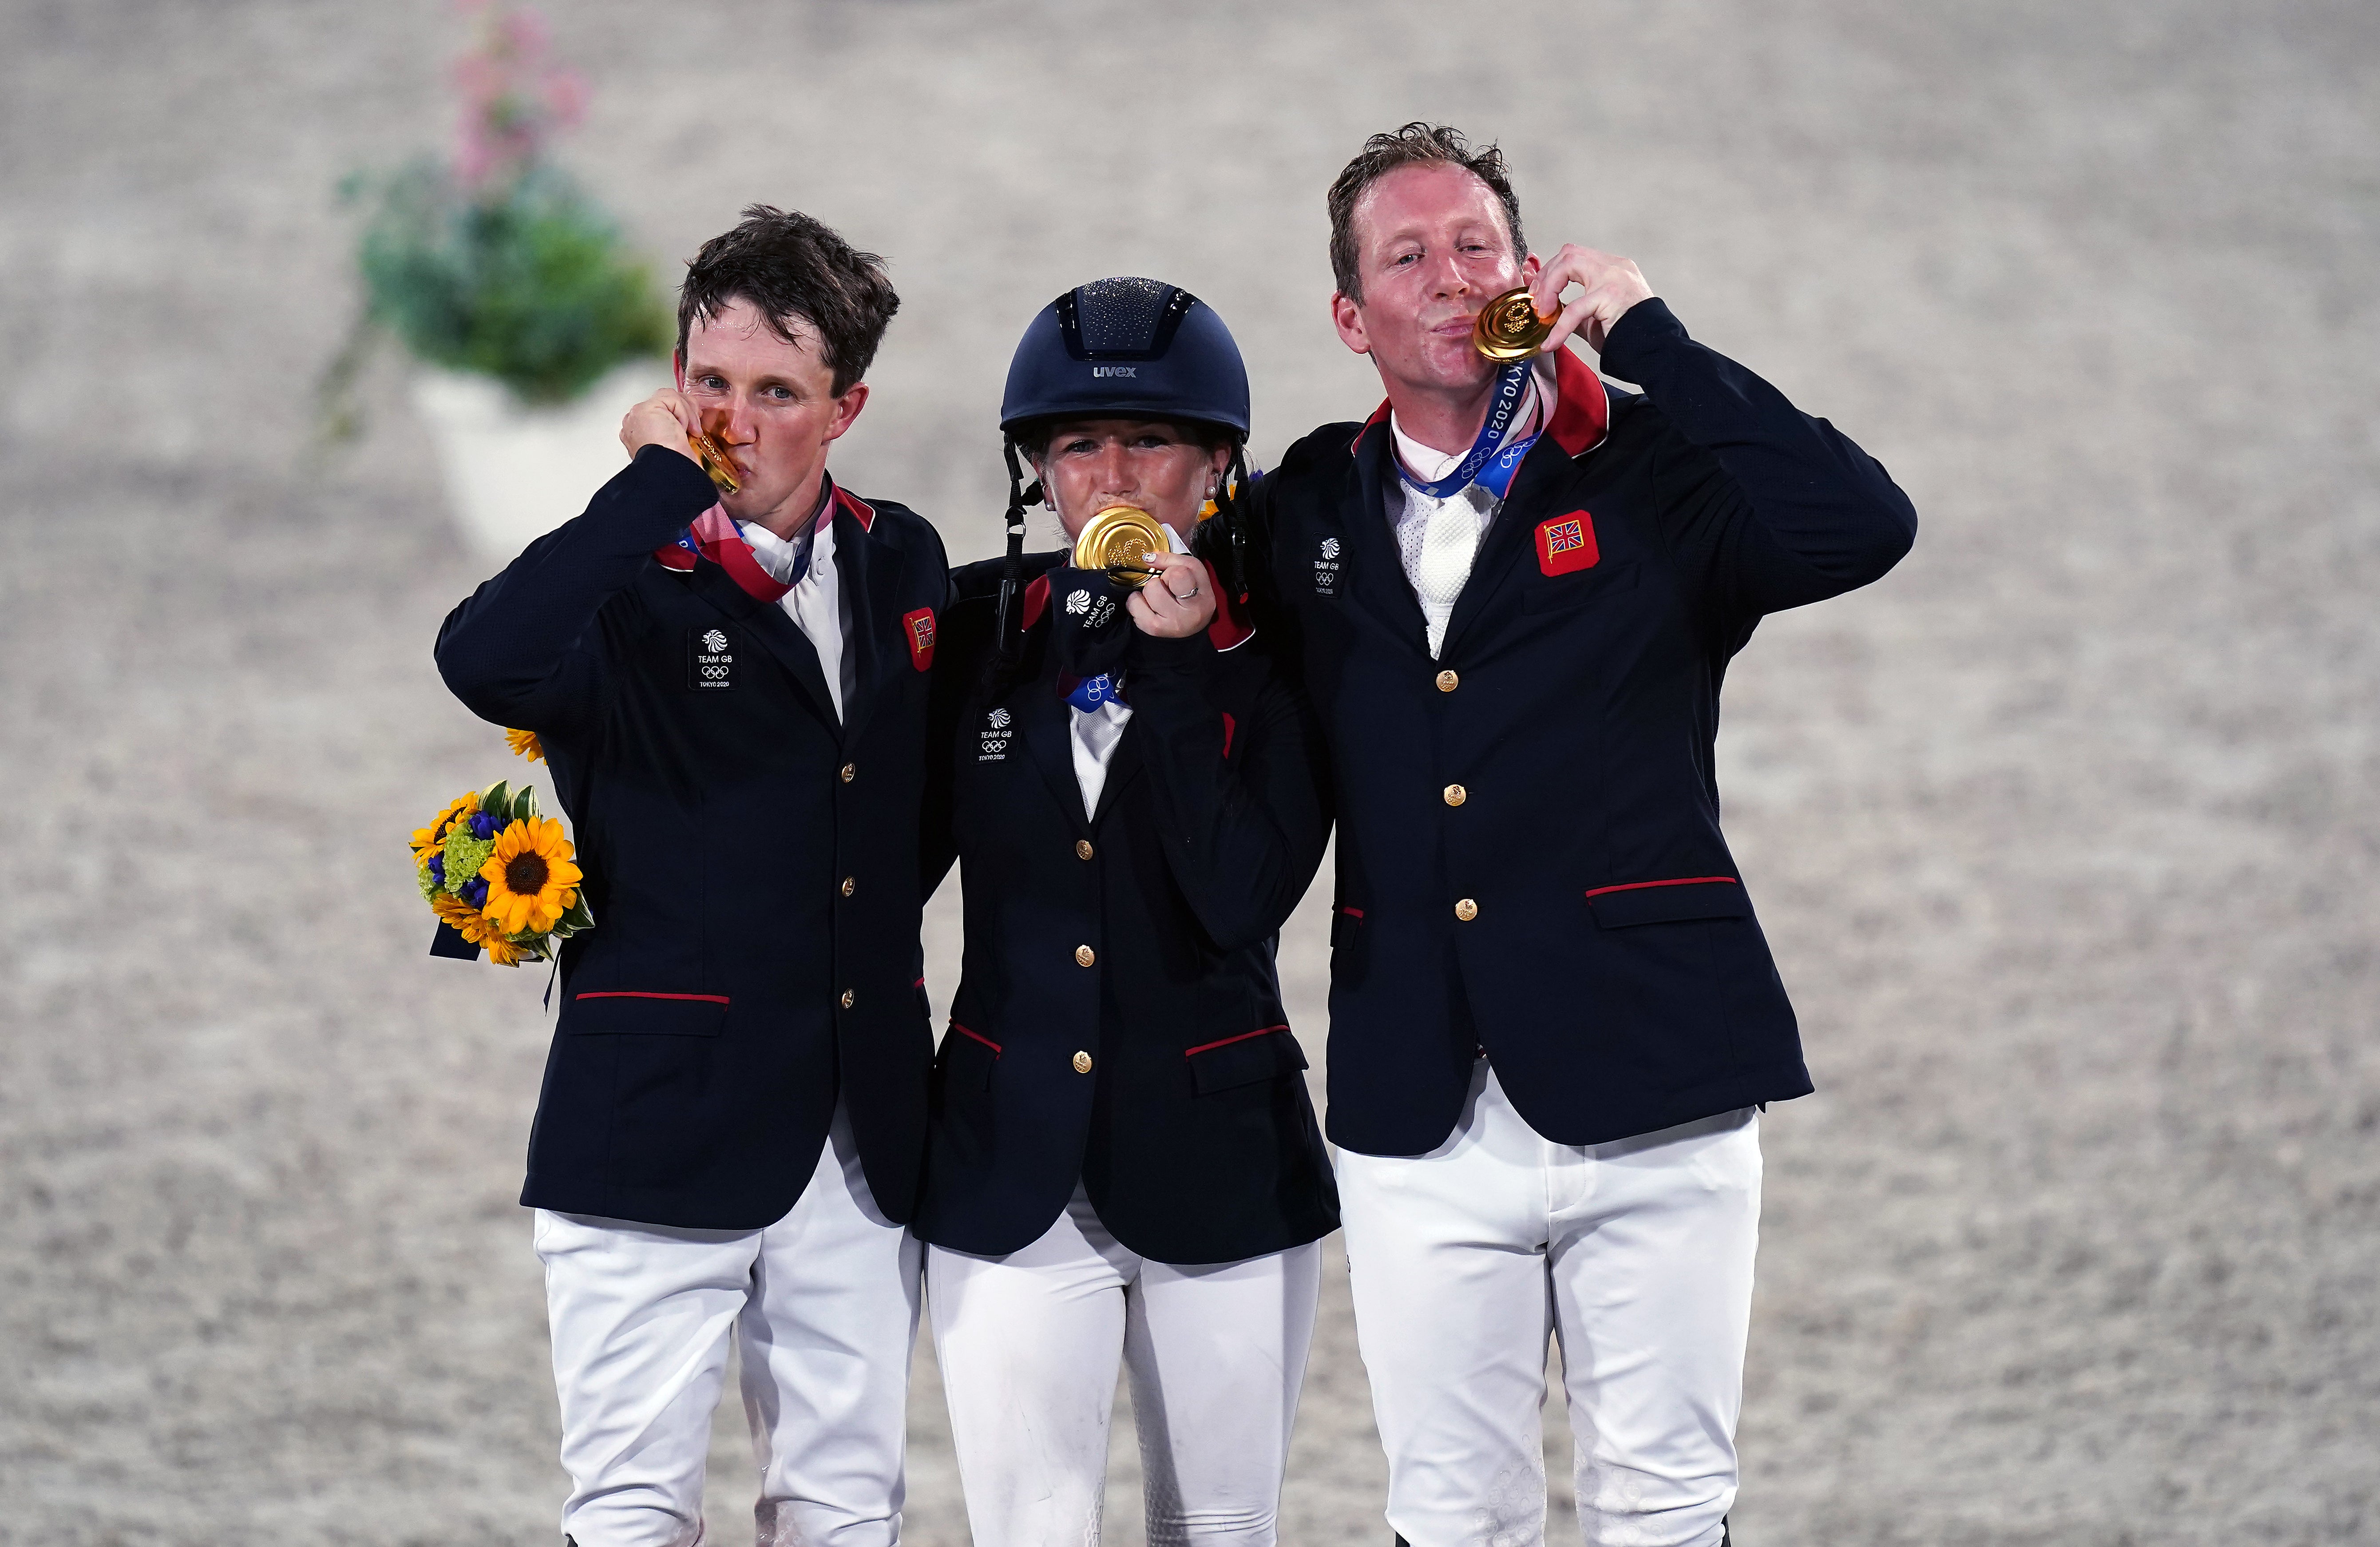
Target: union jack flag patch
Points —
{"points": [[920, 627], [1567, 542]]}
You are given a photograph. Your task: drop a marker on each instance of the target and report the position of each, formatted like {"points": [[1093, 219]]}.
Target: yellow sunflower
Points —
{"points": [[429, 840], [526, 744], [477, 928], [531, 881]]}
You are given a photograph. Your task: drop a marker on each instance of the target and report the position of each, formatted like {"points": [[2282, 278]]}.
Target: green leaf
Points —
{"points": [[498, 801], [525, 803]]}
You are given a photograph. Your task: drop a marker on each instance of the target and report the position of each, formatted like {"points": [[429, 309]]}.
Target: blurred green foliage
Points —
{"points": [[528, 281]]}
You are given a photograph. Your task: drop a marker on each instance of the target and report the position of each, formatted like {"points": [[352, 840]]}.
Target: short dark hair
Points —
{"points": [[1417, 144], [794, 269]]}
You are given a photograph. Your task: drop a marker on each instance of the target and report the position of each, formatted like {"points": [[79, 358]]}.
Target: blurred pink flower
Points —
{"points": [[512, 101]]}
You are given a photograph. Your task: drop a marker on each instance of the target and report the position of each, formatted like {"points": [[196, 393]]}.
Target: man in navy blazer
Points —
{"points": [[1513, 594], [731, 689]]}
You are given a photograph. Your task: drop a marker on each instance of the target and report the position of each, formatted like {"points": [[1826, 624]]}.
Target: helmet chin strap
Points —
{"points": [[1009, 624], [1222, 538]]}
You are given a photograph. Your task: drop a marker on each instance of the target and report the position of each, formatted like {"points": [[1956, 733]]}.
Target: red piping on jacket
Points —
{"points": [[861, 511], [1209, 1047], [977, 1036], [639, 994], [1353, 912], [1682, 881]]}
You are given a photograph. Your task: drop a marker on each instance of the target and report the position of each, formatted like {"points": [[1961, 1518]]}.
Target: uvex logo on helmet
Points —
{"points": [[1100, 371]]}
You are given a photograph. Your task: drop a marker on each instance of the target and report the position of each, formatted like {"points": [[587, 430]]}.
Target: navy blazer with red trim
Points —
{"points": [[1191, 1131], [1611, 967], [718, 808]]}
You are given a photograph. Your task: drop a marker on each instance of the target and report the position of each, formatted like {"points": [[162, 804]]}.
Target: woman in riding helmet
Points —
{"points": [[1123, 1163]]}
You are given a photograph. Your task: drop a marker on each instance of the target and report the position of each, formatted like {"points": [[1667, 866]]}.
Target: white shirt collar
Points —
{"points": [[779, 555], [1537, 404]]}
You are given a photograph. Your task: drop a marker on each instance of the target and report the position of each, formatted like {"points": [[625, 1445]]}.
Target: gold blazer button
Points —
{"points": [[1467, 910]]}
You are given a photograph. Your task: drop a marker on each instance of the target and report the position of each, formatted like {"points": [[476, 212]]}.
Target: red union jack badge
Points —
{"points": [[920, 627], [1567, 542]]}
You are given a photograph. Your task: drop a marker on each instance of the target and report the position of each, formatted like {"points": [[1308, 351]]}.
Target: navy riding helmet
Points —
{"points": [[1127, 348]]}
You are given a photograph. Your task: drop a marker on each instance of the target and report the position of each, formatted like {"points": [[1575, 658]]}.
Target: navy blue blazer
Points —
{"points": [[1529, 856], [751, 863], [1118, 1020]]}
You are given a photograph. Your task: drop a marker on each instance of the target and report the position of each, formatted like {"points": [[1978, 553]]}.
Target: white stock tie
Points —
{"points": [[1449, 539]]}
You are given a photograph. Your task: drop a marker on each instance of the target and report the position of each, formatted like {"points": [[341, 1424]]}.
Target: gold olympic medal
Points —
{"points": [[713, 458], [1509, 327], [1119, 540]]}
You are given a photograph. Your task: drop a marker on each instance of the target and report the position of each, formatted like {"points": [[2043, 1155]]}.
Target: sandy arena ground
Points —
{"points": [[2065, 834]]}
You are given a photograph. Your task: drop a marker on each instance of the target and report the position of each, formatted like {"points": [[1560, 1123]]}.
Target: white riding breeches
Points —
{"points": [[1028, 1345], [1636, 1255], [823, 1305]]}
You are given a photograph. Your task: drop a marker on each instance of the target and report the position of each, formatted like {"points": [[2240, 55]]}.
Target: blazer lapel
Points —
{"points": [[870, 581], [1507, 534], [1123, 767], [1045, 724], [768, 623], [1375, 574], [1581, 414]]}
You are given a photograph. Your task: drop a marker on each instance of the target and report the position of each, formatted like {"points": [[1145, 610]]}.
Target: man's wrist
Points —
{"points": [[1643, 328]]}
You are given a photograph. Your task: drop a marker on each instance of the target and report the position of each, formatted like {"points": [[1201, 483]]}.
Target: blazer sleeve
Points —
{"points": [[527, 647], [1234, 757], [1766, 507]]}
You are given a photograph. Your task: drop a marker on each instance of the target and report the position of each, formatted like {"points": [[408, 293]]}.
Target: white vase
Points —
{"points": [[515, 473]]}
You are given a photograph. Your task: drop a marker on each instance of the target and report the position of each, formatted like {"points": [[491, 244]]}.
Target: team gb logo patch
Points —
{"points": [[1325, 568], [996, 730]]}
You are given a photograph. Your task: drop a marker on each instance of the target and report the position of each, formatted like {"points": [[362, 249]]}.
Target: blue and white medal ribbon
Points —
{"points": [[1490, 462], [1093, 691]]}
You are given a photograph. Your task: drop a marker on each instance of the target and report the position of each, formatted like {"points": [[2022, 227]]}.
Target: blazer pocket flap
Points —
{"points": [[1569, 590], [1669, 902], [1245, 1059], [645, 1012]]}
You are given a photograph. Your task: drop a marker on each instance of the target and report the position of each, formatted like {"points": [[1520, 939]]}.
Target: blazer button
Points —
{"points": [[1083, 849], [850, 883], [1448, 682], [1082, 1063], [1467, 910], [1456, 795], [845, 1000], [850, 771], [1085, 956]]}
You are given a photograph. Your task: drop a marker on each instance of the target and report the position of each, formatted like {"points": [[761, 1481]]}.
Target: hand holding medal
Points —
{"points": [[1610, 284]]}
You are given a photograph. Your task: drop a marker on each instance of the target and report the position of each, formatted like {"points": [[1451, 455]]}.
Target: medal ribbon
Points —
{"points": [[1093, 691], [1490, 462], [713, 535]]}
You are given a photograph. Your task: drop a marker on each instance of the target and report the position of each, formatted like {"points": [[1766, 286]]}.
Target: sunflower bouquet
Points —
{"points": [[499, 877]]}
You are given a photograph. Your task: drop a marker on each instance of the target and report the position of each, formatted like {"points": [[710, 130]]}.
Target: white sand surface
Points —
{"points": [[2065, 834]]}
